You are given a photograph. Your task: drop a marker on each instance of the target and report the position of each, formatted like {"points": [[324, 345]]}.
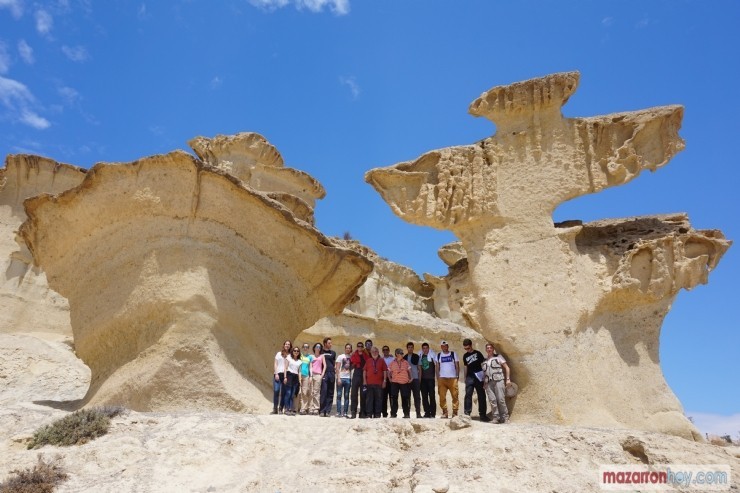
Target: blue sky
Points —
{"points": [[342, 86]]}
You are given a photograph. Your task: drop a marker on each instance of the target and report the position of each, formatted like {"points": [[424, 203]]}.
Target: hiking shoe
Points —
{"points": [[444, 416], [274, 411], [485, 419]]}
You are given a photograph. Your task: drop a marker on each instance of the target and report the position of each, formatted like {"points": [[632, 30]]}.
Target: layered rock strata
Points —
{"points": [[182, 280], [578, 317], [393, 306], [27, 305]]}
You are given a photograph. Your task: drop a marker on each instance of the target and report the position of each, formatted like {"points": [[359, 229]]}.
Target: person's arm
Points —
{"points": [[507, 372], [385, 376], [436, 369], [408, 370], [364, 375], [457, 368], [274, 369], [285, 365], [323, 365]]}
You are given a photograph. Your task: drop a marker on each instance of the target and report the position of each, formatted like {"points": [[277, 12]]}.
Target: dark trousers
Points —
{"points": [[327, 393], [374, 396], [277, 389], [473, 383], [405, 389], [427, 397], [415, 393], [289, 391], [356, 393], [386, 397]]}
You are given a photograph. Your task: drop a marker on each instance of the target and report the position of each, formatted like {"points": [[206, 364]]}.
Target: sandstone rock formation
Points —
{"points": [[392, 307], [27, 304], [577, 309], [182, 279]]}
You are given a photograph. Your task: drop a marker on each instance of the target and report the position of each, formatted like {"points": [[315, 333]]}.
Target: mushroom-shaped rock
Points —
{"points": [[538, 291], [182, 281], [252, 159], [26, 302]]}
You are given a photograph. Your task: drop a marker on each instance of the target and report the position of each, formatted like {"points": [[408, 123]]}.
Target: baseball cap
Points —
{"points": [[443, 343]]}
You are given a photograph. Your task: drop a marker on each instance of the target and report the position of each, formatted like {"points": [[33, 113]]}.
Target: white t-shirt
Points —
{"points": [[280, 360], [294, 365], [344, 365], [446, 363]]}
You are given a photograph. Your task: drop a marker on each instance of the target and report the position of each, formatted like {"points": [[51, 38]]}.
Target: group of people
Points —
{"points": [[368, 385]]}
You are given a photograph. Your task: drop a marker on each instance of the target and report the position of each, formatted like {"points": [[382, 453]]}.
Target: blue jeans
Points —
{"points": [[289, 391], [343, 386], [277, 386]]}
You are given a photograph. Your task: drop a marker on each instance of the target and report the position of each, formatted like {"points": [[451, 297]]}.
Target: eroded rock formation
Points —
{"points": [[577, 309], [392, 307], [182, 279], [27, 305]]}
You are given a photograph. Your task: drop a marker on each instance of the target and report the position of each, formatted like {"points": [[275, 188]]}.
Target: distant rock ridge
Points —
{"points": [[577, 308]]}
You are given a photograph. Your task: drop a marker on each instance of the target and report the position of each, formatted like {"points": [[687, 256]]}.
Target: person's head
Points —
{"points": [[295, 352], [445, 346], [305, 347], [327, 342], [368, 344], [317, 348], [490, 350], [467, 345], [425, 348], [374, 353], [287, 345], [399, 353], [386, 351], [347, 348], [409, 347], [360, 346]]}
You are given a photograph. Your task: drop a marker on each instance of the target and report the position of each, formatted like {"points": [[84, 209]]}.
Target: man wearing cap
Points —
{"points": [[388, 358], [473, 361], [358, 359], [448, 374]]}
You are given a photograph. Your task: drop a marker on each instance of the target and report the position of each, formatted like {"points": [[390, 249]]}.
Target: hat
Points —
{"points": [[511, 389], [443, 343]]}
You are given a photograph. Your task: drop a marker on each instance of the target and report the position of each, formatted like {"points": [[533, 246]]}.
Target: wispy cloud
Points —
{"points": [[69, 95], [607, 21], [717, 424], [15, 7], [215, 83], [76, 53], [338, 7], [643, 23], [26, 52], [141, 13], [351, 82], [4, 58], [44, 22], [18, 102]]}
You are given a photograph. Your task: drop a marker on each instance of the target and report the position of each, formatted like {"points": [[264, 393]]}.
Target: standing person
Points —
{"points": [[344, 372], [413, 360], [278, 370], [327, 381], [494, 367], [318, 367], [427, 365], [358, 359], [399, 372], [448, 374], [473, 362], [373, 376], [388, 358], [292, 373], [306, 360]]}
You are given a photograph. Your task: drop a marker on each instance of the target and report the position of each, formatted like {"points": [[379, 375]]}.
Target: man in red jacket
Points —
{"points": [[357, 360]]}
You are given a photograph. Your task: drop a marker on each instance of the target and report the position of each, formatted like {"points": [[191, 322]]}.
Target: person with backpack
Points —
{"points": [[497, 377], [474, 376], [448, 374]]}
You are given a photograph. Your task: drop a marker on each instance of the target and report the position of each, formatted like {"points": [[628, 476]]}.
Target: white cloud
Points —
{"points": [[44, 21], [339, 7], [15, 7], [351, 82], [643, 23], [216, 83], [607, 21], [18, 103], [4, 58], [76, 53], [26, 52], [69, 94], [717, 424], [32, 119], [141, 13]]}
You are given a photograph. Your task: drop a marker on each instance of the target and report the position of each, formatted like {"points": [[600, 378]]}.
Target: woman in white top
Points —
{"points": [[278, 370], [292, 379]]}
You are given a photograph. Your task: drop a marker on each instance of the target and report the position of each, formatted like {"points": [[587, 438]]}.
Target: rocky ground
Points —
{"points": [[203, 452]]}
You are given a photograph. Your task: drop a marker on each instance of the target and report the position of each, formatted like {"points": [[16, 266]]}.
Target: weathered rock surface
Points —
{"points": [[182, 280], [26, 302], [578, 310], [199, 452]]}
